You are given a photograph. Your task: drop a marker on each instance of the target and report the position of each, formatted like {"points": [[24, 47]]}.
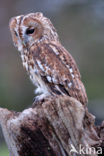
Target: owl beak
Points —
{"points": [[25, 41]]}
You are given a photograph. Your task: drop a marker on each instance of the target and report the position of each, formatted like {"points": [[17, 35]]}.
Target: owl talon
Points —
{"points": [[38, 99], [34, 99]]}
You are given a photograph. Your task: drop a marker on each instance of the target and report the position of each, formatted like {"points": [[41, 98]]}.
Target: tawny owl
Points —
{"points": [[50, 66]]}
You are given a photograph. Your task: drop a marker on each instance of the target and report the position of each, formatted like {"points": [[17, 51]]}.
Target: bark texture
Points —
{"points": [[53, 127]]}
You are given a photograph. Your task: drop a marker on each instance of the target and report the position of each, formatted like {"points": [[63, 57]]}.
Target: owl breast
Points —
{"points": [[30, 67]]}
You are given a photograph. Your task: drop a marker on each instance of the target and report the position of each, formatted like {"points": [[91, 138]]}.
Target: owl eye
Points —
{"points": [[30, 31]]}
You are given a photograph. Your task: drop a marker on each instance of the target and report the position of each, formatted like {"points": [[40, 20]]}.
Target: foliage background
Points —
{"points": [[80, 25]]}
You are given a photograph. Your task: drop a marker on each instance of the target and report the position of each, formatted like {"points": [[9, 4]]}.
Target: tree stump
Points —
{"points": [[57, 126]]}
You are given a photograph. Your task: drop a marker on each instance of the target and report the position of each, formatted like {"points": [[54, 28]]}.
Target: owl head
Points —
{"points": [[32, 28]]}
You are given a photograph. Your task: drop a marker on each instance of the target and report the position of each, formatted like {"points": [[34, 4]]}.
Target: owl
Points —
{"points": [[49, 65]]}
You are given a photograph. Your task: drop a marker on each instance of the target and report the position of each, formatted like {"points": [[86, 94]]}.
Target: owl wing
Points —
{"points": [[58, 70]]}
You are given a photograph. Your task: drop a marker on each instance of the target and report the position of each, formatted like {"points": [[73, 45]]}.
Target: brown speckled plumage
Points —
{"points": [[50, 66]]}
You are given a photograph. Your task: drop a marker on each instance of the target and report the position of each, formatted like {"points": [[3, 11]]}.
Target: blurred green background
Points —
{"points": [[80, 25]]}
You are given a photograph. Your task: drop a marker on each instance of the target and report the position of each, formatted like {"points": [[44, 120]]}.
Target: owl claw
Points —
{"points": [[38, 99]]}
